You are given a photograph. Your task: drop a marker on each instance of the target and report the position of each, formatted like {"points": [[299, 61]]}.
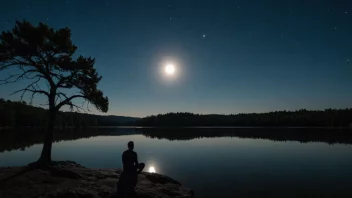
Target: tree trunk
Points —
{"points": [[45, 157], [44, 161]]}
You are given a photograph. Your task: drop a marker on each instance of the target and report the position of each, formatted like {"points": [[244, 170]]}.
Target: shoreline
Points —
{"points": [[95, 183]]}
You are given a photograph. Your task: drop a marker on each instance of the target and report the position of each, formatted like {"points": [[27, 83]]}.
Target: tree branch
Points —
{"points": [[66, 79], [19, 77], [67, 101], [7, 80], [78, 108], [32, 89], [29, 62], [5, 66]]}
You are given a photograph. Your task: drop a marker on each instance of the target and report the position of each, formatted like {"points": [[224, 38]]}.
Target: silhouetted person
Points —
{"points": [[130, 160], [129, 176]]}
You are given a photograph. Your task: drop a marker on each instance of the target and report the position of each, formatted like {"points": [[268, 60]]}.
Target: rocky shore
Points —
{"points": [[17, 182]]}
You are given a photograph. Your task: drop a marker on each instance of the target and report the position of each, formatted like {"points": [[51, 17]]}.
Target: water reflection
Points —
{"points": [[151, 169], [214, 162], [22, 138], [303, 135], [14, 139]]}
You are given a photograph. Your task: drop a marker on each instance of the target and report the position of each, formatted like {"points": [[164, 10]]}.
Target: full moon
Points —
{"points": [[170, 69]]}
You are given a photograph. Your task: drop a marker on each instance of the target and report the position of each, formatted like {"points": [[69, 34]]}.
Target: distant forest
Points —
{"points": [[19, 114], [308, 118]]}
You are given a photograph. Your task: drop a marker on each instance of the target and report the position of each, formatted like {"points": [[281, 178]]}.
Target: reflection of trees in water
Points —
{"points": [[21, 138], [13, 139], [327, 135]]}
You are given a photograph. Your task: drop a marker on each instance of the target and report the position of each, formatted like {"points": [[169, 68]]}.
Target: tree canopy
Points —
{"points": [[42, 54]]}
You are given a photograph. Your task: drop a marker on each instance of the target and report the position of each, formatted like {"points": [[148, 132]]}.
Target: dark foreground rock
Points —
{"points": [[95, 183]]}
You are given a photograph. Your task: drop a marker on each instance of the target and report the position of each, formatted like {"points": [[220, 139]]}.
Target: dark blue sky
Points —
{"points": [[231, 56]]}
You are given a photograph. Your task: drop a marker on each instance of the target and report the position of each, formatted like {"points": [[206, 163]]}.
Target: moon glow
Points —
{"points": [[151, 169], [170, 69]]}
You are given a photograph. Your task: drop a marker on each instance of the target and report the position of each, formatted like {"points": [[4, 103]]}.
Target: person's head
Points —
{"points": [[130, 145]]}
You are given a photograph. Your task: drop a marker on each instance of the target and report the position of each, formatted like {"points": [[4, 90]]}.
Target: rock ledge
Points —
{"points": [[95, 183]]}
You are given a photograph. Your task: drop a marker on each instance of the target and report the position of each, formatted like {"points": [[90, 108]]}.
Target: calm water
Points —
{"points": [[216, 165]]}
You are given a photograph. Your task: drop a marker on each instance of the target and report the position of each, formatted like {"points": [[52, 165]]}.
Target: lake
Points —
{"points": [[214, 162]]}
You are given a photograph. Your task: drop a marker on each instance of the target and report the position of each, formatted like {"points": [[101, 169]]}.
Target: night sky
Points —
{"points": [[230, 56]]}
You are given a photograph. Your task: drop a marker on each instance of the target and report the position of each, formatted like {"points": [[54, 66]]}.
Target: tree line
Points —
{"points": [[21, 114], [308, 118]]}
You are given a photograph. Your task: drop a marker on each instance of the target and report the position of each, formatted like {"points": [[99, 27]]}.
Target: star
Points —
{"points": [[282, 36], [238, 7], [169, 6], [346, 12], [335, 28], [170, 18], [204, 35]]}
